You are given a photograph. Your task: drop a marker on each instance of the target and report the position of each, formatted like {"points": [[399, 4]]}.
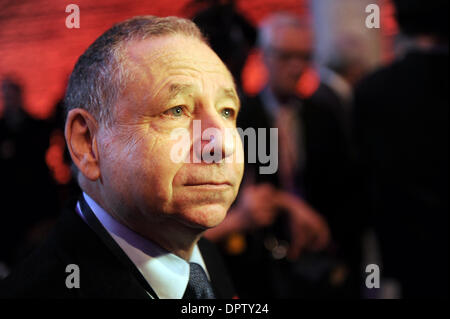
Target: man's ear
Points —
{"points": [[82, 143]]}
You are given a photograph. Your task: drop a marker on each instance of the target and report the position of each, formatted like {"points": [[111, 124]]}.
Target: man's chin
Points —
{"points": [[205, 216]]}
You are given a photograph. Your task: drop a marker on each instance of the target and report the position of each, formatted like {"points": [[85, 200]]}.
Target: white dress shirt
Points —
{"points": [[165, 272]]}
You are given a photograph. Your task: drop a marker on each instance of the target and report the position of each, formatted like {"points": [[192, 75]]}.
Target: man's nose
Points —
{"points": [[216, 141]]}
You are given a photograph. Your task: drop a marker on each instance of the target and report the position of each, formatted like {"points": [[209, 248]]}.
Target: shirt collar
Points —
{"points": [[166, 273]]}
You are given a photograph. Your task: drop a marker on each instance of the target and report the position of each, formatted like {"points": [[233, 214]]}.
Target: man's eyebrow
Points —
{"points": [[231, 94], [176, 89]]}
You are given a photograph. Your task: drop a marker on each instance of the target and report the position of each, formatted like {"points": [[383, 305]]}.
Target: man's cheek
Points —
{"points": [[162, 173]]}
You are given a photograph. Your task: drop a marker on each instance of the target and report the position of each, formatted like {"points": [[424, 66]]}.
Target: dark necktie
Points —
{"points": [[198, 286]]}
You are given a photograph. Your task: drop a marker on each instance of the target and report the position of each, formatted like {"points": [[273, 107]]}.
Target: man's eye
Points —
{"points": [[227, 113], [176, 111]]}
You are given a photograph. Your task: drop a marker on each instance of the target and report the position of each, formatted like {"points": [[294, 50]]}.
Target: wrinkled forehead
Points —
{"points": [[166, 55]]}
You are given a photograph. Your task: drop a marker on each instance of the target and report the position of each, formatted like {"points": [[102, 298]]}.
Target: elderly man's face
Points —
{"points": [[176, 80], [287, 56]]}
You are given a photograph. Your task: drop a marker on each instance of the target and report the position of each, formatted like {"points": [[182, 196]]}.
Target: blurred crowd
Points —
{"points": [[36, 180], [363, 162]]}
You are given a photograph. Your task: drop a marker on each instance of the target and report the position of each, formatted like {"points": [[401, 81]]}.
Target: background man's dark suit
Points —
{"points": [[402, 135], [322, 182], [325, 151], [105, 271]]}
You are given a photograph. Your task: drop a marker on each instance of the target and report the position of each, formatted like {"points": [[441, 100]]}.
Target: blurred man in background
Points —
{"points": [[340, 71], [401, 129]]}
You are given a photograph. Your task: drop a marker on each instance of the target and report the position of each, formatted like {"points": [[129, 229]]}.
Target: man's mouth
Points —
{"points": [[209, 184]]}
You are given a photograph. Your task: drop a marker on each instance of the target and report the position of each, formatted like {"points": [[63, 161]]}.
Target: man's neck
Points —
{"points": [[165, 231], [168, 233], [172, 236]]}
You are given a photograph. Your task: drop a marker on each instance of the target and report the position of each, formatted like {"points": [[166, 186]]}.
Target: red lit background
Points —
{"points": [[39, 52]]}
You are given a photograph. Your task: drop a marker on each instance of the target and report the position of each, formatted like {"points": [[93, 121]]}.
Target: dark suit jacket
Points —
{"points": [[105, 270], [256, 272], [401, 121], [324, 177]]}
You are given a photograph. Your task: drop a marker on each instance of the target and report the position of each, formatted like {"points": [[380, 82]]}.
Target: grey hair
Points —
{"points": [[271, 23], [100, 74]]}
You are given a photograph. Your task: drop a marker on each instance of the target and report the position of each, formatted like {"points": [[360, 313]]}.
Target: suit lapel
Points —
{"points": [[114, 248], [118, 272]]}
